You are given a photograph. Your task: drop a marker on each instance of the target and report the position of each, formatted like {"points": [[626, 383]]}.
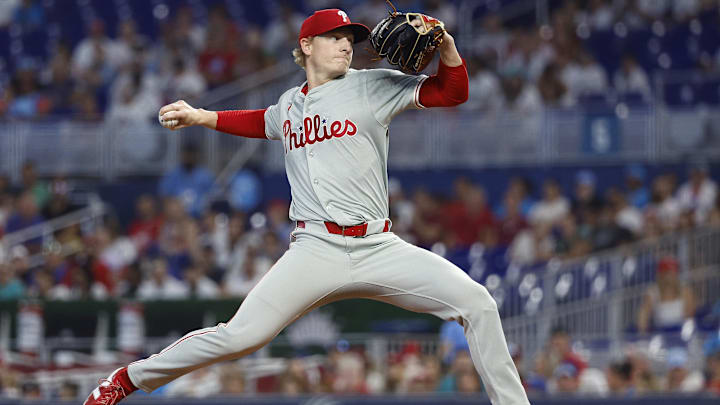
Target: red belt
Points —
{"points": [[351, 230]]}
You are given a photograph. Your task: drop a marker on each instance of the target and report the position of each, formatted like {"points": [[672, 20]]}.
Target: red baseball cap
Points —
{"points": [[326, 20], [667, 264]]}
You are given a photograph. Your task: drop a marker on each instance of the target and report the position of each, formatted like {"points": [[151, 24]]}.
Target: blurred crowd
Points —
{"points": [[125, 75], [515, 66], [181, 244], [559, 65], [558, 370], [536, 222]]}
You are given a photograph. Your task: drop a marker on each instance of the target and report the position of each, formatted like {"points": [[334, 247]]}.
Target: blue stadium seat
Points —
{"points": [[602, 282], [633, 99], [710, 35], [5, 49], [678, 43], [632, 271], [108, 13], [599, 344], [35, 44], [708, 317], [680, 94], [606, 47], [512, 300], [636, 44], [593, 99], [256, 12], [709, 92], [496, 260], [142, 13], [72, 26], [459, 257], [484, 8]]}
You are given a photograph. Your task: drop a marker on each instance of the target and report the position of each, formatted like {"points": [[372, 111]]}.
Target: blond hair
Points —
{"points": [[299, 57]]}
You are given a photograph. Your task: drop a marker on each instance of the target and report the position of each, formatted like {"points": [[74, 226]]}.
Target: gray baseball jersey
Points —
{"points": [[336, 143]]}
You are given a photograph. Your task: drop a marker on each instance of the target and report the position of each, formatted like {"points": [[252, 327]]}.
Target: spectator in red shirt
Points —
{"points": [[427, 222], [468, 215], [218, 59], [145, 228]]}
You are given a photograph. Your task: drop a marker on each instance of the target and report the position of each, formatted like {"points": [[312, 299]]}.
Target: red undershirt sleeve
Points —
{"points": [[447, 88], [247, 123]]}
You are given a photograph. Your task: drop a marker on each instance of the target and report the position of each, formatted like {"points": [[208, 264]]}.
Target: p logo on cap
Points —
{"points": [[323, 21]]}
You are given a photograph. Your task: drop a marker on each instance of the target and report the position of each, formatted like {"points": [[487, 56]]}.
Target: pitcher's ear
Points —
{"points": [[306, 45]]}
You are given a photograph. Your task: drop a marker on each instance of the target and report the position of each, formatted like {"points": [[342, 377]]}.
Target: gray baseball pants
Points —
{"points": [[320, 268]]}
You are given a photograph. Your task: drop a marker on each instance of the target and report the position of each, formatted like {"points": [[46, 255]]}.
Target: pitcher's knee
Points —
{"points": [[246, 340], [482, 300]]}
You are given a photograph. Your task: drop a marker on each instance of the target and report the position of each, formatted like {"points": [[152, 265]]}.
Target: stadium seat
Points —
{"points": [[35, 44], [593, 100], [682, 47], [709, 92], [637, 44], [606, 48], [632, 98], [680, 94]]}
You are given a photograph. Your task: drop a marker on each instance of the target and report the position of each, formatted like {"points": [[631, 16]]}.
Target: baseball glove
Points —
{"points": [[407, 40]]}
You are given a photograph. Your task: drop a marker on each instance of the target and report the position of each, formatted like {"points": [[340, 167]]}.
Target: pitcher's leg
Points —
{"points": [[415, 279], [300, 280], [245, 333]]}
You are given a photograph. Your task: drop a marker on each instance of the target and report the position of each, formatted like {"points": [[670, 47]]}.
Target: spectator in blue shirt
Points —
{"points": [[30, 15], [521, 189], [188, 182], [11, 288], [638, 194], [26, 214], [246, 190], [452, 339]]}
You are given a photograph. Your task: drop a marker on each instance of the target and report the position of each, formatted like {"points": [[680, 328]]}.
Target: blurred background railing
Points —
{"points": [[599, 297], [418, 140]]}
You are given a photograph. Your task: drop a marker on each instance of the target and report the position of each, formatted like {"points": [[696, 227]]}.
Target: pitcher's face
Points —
{"points": [[332, 51]]}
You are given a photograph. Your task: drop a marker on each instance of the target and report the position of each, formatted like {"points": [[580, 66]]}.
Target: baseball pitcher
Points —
{"points": [[334, 131]]}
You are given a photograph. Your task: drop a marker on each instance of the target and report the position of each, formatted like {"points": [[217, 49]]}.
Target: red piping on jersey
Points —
{"points": [[247, 123], [447, 88]]}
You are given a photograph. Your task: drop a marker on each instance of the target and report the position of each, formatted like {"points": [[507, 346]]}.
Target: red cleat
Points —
{"points": [[109, 392]]}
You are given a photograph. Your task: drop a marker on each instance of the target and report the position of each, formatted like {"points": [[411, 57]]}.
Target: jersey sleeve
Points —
{"points": [[274, 115], [246, 123], [273, 130], [390, 92]]}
